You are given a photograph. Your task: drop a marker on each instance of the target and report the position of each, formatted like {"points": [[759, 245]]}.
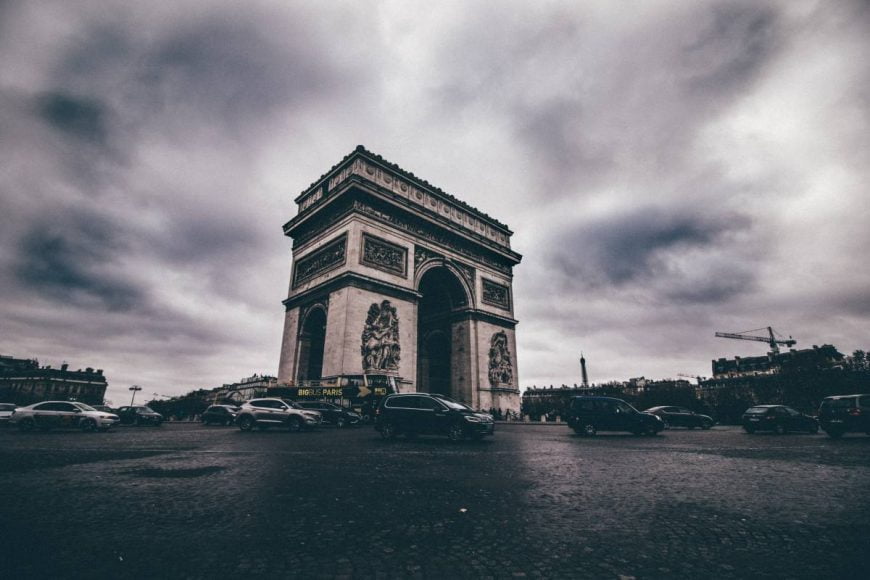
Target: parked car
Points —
{"points": [[424, 413], [587, 415], [49, 415], [139, 415], [845, 414], [273, 412], [681, 417], [777, 418], [332, 413], [220, 415], [6, 410]]}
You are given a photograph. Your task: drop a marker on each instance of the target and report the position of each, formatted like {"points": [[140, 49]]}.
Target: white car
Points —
{"points": [[62, 414], [272, 412]]}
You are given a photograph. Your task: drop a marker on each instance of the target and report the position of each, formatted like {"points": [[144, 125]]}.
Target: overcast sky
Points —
{"points": [[670, 169]]}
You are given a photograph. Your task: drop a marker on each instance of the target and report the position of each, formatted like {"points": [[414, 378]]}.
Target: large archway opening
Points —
{"points": [[311, 344], [441, 295]]}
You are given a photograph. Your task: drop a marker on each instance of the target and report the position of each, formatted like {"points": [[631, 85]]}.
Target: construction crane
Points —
{"points": [[772, 340]]}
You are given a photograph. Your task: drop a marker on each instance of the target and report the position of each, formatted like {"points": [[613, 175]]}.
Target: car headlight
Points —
{"points": [[472, 419]]}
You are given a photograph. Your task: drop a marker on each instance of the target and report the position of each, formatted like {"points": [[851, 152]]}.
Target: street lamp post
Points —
{"points": [[134, 388]]}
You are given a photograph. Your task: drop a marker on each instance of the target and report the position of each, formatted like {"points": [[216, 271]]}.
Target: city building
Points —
{"points": [[816, 358], [23, 381]]}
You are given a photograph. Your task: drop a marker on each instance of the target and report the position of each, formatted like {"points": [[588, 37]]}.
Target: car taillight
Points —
{"points": [[855, 412]]}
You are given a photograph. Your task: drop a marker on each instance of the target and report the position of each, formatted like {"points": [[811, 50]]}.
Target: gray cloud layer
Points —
{"points": [[670, 170]]}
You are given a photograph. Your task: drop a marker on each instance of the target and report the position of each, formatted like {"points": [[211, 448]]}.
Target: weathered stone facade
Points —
{"points": [[392, 275]]}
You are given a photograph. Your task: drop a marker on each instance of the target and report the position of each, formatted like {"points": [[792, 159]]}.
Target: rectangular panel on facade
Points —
{"points": [[496, 294], [384, 255], [330, 256]]}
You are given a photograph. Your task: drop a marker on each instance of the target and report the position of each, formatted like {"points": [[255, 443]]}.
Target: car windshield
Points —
{"points": [[84, 407], [757, 411], [144, 410]]}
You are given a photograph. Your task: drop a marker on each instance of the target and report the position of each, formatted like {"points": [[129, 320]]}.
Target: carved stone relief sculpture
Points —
{"points": [[501, 371], [383, 255], [380, 338]]}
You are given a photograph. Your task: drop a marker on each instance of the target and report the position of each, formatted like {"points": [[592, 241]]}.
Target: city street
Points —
{"points": [[189, 501]]}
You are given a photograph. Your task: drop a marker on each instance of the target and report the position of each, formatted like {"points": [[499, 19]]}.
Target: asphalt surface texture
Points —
{"points": [[535, 501]]}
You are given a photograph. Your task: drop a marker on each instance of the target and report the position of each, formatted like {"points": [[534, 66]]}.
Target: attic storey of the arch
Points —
{"points": [[393, 276]]}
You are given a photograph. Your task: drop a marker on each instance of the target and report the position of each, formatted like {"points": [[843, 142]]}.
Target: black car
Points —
{"points": [[777, 418], [219, 415], [332, 413], [845, 414], [139, 415], [588, 415], [424, 413], [681, 417]]}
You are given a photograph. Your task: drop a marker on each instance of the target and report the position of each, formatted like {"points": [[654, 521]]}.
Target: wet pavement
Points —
{"points": [[535, 501]]}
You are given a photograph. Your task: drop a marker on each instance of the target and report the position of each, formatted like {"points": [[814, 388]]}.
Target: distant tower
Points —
{"points": [[583, 371]]}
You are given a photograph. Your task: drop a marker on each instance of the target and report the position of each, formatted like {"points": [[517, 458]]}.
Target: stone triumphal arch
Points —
{"points": [[393, 276]]}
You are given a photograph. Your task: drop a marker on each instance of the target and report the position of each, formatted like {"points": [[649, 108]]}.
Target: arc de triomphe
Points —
{"points": [[393, 276]]}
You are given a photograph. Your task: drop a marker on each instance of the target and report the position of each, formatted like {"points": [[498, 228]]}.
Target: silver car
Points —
{"points": [[62, 414]]}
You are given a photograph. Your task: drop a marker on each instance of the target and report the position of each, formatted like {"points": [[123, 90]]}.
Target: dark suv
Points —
{"points": [[424, 413], [588, 415], [777, 418], [332, 413], [845, 414]]}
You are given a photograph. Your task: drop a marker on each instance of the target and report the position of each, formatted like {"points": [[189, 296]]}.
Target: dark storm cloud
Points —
{"points": [[637, 248], [70, 260], [79, 117], [730, 48]]}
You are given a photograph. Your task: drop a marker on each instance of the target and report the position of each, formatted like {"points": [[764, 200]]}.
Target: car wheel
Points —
{"points": [[705, 426], [89, 426], [228, 422], [26, 425], [388, 431], [667, 425], [779, 430], [749, 430], [814, 428], [246, 423], [834, 433], [589, 430], [294, 425], [455, 433], [341, 422], [690, 427], [650, 430], [138, 421]]}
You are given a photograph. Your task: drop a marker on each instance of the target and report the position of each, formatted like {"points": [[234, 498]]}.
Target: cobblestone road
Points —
{"points": [[187, 501]]}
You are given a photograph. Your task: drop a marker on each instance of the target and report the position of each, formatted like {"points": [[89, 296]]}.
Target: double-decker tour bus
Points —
{"points": [[362, 393]]}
